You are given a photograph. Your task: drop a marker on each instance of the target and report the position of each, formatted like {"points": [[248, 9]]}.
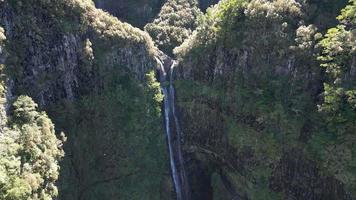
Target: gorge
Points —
{"points": [[177, 99]]}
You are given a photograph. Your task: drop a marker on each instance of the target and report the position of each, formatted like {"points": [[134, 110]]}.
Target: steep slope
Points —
{"points": [[263, 103], [249, 94], [94, 75], [64, 43], [29, 149]]}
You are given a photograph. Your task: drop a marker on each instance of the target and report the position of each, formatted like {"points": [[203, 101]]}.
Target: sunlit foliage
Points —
{"points": [[175, 23], [339, 105], [29, 154]]}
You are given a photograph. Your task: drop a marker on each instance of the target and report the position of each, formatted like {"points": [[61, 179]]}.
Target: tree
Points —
{"points": [[175, 23], [29, 154], [339, 105]]}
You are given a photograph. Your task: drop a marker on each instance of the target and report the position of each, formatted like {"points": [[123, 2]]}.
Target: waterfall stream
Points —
{"points": [[173, 133]]}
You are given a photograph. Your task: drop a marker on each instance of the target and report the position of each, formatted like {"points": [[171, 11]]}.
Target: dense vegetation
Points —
{"points": [[266, 96], [174, 24], [29, 149], [29, 153], [339, 105], [93, 75], [122, 124], [252, 67]]}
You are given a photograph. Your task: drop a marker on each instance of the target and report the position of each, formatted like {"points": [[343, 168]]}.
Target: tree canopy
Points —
{"points": [[29, 154]]}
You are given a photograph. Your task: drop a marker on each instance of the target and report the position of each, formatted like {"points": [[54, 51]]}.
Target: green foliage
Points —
{"points": [[175, 23], [306, 37], [255, 73], [25, 110], [234, 21], [348, 14], [29, 154], [253, 98], [77, 17], [116, 142], [154, 90], [339, 110]]}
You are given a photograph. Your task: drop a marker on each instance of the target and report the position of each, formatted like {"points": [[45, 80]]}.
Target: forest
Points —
{"points": [[177, 99]]}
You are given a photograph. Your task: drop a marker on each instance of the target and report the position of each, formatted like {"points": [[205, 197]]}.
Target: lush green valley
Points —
{"points": [[262, 99]]}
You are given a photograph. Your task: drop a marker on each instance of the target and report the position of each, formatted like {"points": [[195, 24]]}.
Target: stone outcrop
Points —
{"points": [[72, 58], [50, 64]]}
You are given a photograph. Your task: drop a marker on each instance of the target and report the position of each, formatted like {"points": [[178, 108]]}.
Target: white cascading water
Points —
{"points": [[183, 178], [175, 151], [175, 176]]}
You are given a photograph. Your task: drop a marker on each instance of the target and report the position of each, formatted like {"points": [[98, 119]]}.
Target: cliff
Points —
{"points": [[94, 75], [249, 89], [264, 94]]}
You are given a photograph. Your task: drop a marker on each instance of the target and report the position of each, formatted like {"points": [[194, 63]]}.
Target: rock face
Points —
{"points": [[297, 172], [248, 89], [93, 74], [248, 98], [60, 60], [50, 63]]}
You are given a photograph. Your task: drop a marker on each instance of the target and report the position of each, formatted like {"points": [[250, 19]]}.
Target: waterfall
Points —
{"points": [[173, 133]]}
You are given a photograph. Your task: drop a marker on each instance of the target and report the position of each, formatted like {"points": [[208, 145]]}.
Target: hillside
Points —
{"points": [[177, 99]]}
